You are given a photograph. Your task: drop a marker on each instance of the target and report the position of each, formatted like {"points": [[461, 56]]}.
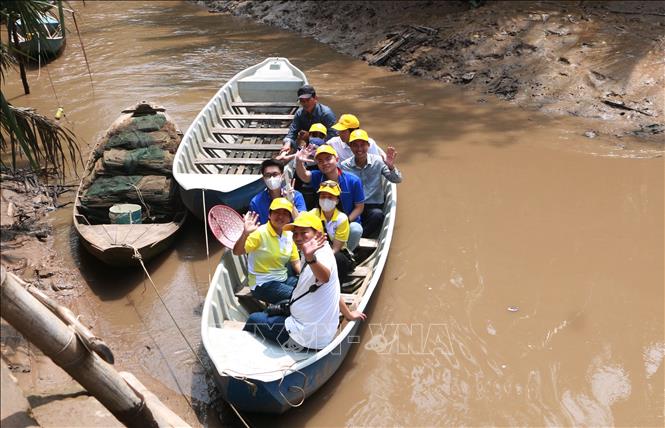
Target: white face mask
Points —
{"points": [[273, 183], [327, 204]]}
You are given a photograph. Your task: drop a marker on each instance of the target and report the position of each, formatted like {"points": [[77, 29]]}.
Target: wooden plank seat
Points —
{"points": [[360, 272], [349, 298], [257, 117], [368, 243], [264, 104], [250, 131], [233, 146], [228, 161], [244, 292]]}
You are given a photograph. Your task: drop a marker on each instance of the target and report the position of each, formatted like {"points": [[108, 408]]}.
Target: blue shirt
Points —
{"points": [[260, 204], [370, 175], [303, 121], [351, 186]]}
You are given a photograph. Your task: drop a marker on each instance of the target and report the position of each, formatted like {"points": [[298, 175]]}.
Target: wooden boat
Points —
{"points": [[242, 125], [42, 46], [131, 163], [260, 376]]}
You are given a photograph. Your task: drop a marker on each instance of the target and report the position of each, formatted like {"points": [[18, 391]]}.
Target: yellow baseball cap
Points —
{"points": [[331, 187], [346, 121], [305, 219], [325, 148], [318, 127], [358, 134], [281, 204]]}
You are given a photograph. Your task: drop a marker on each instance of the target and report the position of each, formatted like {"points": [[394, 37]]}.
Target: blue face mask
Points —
{"points": [[316, 141]]}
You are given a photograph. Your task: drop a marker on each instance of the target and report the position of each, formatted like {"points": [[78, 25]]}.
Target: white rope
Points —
{"points": [[205, 233], [137, 256]]}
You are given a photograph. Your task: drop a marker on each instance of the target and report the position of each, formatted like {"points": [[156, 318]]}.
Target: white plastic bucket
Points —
{"points": [[125, 214]]}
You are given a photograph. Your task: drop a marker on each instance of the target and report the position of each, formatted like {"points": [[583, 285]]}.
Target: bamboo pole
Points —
{"points": [[41, 327]]}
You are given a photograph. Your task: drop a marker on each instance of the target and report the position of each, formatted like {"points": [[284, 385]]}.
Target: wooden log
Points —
{"points": [[164, 416], [44, 329], [250, 131]]}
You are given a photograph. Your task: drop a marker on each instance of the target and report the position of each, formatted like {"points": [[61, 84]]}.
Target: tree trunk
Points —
{"points": [[13, 36]]}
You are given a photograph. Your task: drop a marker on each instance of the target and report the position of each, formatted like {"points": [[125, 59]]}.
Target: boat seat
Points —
{"points": [[349, 298], [257, 117], [232, 146], [228, 161], [234, 325], [264, 104], [368, 243], [244, 292], [249, 131], [360, 272]]}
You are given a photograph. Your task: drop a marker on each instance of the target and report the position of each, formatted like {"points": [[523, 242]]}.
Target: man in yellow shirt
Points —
{"points": [[269, 249]]}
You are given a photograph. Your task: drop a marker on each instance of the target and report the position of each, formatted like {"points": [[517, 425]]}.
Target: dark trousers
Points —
{"points": [[267, 327], [372, 218], [344, 267]]}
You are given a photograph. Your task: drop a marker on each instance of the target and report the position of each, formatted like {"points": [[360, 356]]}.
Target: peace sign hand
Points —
{"points": [[288, 191]]}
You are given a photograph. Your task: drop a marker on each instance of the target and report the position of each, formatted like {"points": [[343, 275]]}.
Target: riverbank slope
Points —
{"points": [[598, 60]]}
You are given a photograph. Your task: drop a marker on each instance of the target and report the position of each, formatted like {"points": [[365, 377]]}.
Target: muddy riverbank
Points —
{"points": [[530, 213], [597, 60]]}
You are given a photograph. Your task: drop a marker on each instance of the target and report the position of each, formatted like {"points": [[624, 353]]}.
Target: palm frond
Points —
{"points": [[43, 141]]}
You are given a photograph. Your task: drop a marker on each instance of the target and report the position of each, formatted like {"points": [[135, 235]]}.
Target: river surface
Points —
{"points": [[526, 277]]}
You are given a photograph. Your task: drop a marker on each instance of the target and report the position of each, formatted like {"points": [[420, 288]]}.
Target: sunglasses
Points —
{"points": [[331, 184]]}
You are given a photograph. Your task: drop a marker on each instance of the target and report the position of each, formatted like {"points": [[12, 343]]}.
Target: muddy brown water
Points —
{"points": [[526, 277]]}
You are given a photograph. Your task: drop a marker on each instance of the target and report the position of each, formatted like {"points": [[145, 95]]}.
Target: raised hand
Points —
{"points": [[391, 154], [250, 222], [288, 191], [356, 316], [310, 247], [306, 154]]}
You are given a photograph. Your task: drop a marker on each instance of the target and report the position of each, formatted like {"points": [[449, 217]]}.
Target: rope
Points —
{"points": [[302, 389], [137, 256], [205, 232], [138, 193]]}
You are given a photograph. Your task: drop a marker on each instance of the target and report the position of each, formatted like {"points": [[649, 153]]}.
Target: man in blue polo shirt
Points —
{"points": [[272, 171], [353, 195], [309, 113]]}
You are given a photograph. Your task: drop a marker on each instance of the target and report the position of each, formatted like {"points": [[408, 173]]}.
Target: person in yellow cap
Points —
{"points": [[352, 197], [316, 301], [269, 248], [336, 225], [370, 168], [346, 124]]}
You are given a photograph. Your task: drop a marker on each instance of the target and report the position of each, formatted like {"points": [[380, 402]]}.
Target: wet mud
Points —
{"points": [[598, 60], [525, 279]]}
